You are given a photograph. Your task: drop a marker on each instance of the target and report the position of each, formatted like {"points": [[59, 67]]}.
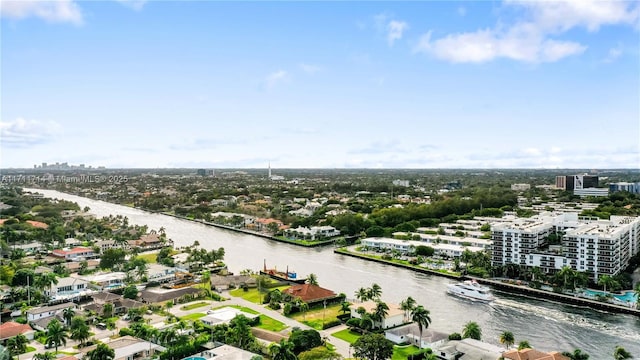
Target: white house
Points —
{"points": [[395, 316], [68, 288], [224, 316], [47, 311], [313, 233], [78, 253], [410, 334], [29, 248]]}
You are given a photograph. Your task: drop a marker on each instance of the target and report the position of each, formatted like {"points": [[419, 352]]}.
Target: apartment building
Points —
{"points": [[598, 247]]}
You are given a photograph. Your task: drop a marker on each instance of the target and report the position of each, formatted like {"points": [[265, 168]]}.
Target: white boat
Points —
{"points": [[470, 289]]}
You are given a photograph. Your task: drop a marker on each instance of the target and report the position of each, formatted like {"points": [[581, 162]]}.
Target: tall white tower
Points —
{"points": [[269, 169]]}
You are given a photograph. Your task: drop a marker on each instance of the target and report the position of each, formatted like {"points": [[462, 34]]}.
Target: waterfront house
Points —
{"points": [[146, 242], [218, 351], [129, 348], [112, 280], [161, 273], [532, 354], [410, 333], [105, 245], [468, 349], [310, 294], [395, 315], [219, 282], [11, 329], [313, 233], [158, 295]]}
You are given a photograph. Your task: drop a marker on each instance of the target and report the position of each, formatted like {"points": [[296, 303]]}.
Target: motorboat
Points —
{"points": [[470, 289]]}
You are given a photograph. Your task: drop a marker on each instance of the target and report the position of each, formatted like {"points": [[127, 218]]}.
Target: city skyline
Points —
{"points": [[135, 84]]}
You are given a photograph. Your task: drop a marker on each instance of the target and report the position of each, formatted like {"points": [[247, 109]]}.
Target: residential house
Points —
{"points": [[532, 354], [68, 288], [155, 295], [75, 254], [48, 311], [468, 349], [129, 348], [112, 280], [105, 245], [161, 273], [75, 266], [146, 242], [11, 329], [313, 233], [120, 304], [219, 282], [29, 248], [410, 333], [224, 316], [220, 351], [395, 315], [310, 294]]}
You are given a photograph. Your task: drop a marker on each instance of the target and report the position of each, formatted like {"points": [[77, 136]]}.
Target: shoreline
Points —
{"points": [[511, 288]]}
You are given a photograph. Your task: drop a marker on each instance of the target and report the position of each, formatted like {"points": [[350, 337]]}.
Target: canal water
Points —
{"points": [[546, 325]]}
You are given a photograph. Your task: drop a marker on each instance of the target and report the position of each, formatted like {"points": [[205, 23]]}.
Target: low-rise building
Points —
{"points": [[410, 334], [313, 233], [395, 315], [48, 311], [468, 349], [75, 254], [532, 354], [224, 316], [129, 348], [11, 329], [69, 288], [310, 294]]}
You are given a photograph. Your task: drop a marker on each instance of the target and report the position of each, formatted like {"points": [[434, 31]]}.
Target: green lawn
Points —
{"points": [[347, 335], [316, 317], [253, 295], [194, 316], [194, 306], [241, 308], [150, 257], [270, 324], [30, 349], [403, 352]]}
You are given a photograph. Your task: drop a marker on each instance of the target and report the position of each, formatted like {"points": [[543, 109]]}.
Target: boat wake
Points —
{"points": [[584, 318]]}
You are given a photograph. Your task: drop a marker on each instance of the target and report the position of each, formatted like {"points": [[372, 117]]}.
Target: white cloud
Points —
{"points": [[531, 40], [275, 78], [309, 68], [51, 11], [395, 29], [560, 16], [24, 133], [613, 54]]}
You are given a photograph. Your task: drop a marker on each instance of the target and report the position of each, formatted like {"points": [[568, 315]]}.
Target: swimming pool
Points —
{"points": [[194, 358], [627, 296]]}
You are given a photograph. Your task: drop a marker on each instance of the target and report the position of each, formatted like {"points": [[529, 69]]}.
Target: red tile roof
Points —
{"points": [[77, 250], [11, 329], [309, 293], [531, 354], [37, 224]]}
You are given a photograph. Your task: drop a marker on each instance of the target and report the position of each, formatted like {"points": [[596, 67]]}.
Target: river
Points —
{"points": [[546, 325]]}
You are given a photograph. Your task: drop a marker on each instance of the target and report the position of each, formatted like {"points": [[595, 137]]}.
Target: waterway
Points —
{"points": [[546, 325]]}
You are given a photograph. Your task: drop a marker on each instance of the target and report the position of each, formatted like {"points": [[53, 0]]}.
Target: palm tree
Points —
{"points": [[636, 290], [566, 273], [507, 339], [45, 280], [107, 310], [375, 291], [576, 355], [362, 294], [304, 307], [621, 354], [407, 306], [472, 330], [79, 330], [345, 307], [17, 344], [420, 315], [282, 351], [141, 271], [67, 315], [312, 279], [56, 334], [102, 352], [605, 280], [524, 344], [380, 312], [206, 279]]}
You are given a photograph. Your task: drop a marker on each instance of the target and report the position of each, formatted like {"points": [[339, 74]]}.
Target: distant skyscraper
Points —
{"points": [[573, 182]]}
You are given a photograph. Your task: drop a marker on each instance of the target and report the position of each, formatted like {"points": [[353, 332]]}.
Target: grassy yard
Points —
{"points": [[316, 316], [253, 295], [30, 349], [241, 308], [194, 316], [150, 257], [270, 324], [194, 306], [403, 352], [347, 335]]}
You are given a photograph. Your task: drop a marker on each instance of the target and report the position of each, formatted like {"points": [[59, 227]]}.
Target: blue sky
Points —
{"points": [[321, 84]]}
